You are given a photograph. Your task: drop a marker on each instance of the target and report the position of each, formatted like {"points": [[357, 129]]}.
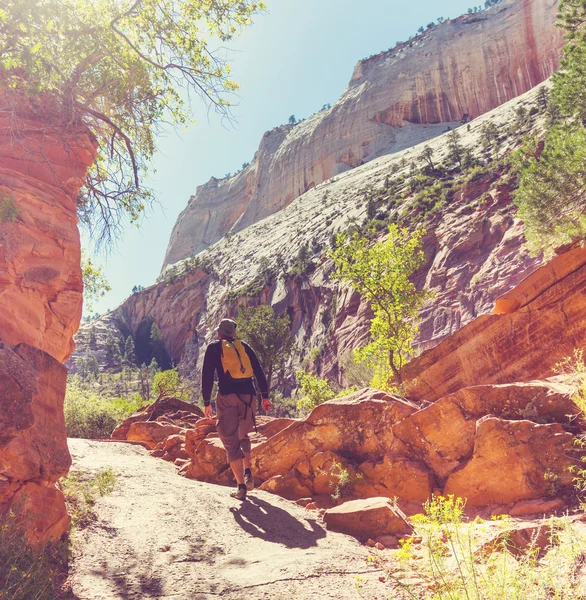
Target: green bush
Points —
{"points": [[90, 415], [313, 390]]}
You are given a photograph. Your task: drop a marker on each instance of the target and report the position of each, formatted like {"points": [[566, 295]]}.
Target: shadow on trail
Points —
{"points": [[273, 524]]}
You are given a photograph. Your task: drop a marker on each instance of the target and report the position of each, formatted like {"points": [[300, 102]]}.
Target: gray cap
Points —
{"points": [[227, 328]]}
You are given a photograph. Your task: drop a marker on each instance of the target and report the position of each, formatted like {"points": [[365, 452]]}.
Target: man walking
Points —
{"points": [[237, 366]]}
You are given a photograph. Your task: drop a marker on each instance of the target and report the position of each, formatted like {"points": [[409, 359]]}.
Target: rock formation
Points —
{"points": [[520, 342], [474, 253], [462, 68], [43, 162]]}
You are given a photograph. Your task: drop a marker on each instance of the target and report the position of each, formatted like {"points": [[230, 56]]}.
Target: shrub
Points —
{"points": [[457, 567], [313, 390], [89, 415]]}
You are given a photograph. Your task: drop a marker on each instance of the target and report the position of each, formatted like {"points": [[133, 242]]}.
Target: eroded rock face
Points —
{"points": [[467, 66], [33, 441], [43, 163], [521, 343], [513, 461]]}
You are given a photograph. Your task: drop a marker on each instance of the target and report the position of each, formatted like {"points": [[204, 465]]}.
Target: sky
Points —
{"points": [[293, 59]]}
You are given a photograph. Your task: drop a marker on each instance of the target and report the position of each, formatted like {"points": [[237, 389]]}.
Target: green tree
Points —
{"points": [[292, 120], [455, 150], [270, 337], [95, 284], [313, 391], [489, 136], [427, 156], [552, 188], [381, 273], [129, 353], [113, 354], [118, 66], [168, 384]]}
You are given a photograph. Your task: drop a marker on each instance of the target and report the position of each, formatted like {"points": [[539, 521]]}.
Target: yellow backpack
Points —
{"points": [[235, 360]]}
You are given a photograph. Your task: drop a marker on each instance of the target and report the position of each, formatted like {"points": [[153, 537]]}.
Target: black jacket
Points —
{"points": [[212, 363]]}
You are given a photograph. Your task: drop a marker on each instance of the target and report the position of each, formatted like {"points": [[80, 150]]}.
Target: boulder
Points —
{"points": [[513, 461], [366, 519], [208, 461], [358, 426], [442, 435], [394, 477], [151, 433], [176, 411]]}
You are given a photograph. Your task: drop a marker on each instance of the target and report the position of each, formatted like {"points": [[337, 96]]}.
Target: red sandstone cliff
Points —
{"points": [[43, 162], [467, 66]]}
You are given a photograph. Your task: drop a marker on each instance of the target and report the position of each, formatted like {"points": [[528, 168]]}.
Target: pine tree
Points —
{"points": [[129, 355]]}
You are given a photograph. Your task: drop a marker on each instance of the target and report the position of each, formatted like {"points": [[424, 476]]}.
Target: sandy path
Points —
{"points": [[162, 536]]}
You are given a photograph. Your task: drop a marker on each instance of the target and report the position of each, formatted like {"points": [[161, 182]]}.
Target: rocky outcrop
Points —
{"points": [[464, 67], [33, 440], [521, 342], [43, 163]]}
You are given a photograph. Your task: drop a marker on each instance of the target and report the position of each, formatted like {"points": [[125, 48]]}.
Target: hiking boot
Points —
{"points": [[248, 480], [240, 493]]}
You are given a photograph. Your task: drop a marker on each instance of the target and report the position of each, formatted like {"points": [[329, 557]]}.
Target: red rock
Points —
{"points": [[510, 461], [541, 506], [151, 433], [43, 162], [371, 543], [394, 477], [379, 546], [311, 506], [364, 519], [442, 434], [359, 426], [288, 486], [166, 407], [42, 511], [551, 300], [388, 541], [303, 501]]}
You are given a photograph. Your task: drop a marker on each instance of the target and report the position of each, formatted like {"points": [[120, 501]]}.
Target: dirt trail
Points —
{"points": [[161, 536]]}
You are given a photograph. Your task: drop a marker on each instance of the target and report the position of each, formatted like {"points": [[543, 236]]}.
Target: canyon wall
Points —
{"points": [[396, 99], [43, 162], [473, 247]]}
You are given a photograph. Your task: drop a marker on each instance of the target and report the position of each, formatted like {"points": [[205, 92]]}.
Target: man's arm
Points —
{"points": [[207, 375], [261, 378]]}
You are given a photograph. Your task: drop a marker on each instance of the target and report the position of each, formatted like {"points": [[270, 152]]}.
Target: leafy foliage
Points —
{"points": [[169, 384], [313, 391], [381, 274], [95, 284], [270, 337], [119, 66]]}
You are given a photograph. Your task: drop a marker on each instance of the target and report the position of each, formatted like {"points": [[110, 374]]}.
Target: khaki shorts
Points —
{"points": [[235, 422]]}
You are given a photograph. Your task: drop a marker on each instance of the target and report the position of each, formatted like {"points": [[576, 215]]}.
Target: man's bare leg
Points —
{"points": [[247, 461], [237, 467]]}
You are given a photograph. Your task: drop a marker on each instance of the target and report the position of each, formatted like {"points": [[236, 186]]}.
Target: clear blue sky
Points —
{"points": [[292, 60]]}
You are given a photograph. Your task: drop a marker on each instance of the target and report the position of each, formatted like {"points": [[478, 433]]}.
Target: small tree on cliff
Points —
{"points": [[270, 337], [129, 353], [381, 273], [95, 284], [118, 67]]}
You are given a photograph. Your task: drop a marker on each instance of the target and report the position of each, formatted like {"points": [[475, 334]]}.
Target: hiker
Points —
{"points": [[237, 367]]}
